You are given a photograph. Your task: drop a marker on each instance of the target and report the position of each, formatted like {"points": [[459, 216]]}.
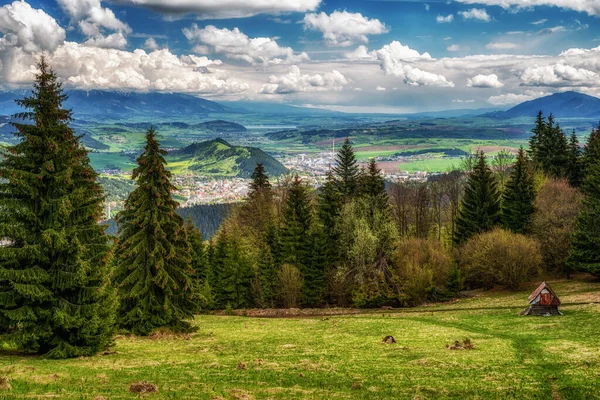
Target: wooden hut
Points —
{"points": [[543, 301]]}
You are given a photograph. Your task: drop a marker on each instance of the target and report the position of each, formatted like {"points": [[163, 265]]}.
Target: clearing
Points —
{"points": [[341, 357]]}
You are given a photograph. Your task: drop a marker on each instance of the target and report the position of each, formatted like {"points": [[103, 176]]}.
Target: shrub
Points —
{"points": [[422, 267], [556, 208], [500, 257]]}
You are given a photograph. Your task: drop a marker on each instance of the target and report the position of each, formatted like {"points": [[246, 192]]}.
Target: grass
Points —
{"points": [[232, 357]]}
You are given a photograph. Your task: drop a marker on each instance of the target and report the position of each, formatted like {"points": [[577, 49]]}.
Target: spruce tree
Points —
{"points": [[480, 206], [297, 241], [55, 297], [585, 246], [346, 171], [591, 152], [518, 197], [537, 134], [373, 186], [328, 212], [575, 164], [258, 211], [153, 270]]}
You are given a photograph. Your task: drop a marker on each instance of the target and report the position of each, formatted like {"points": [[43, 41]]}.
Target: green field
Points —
{"points": [[236, 357]]}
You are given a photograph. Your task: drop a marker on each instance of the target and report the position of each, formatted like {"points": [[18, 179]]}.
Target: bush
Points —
{"points": [[556, 208], [422, 267], [291, 285], [500, 257]]}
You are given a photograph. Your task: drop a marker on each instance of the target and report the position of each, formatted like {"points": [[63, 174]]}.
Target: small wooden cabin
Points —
{"points": [[543, 301]]}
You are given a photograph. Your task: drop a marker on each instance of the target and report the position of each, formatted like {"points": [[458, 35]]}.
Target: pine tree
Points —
{"points": [[258, 211], [574, 164], [267, 269], [585, 247], [297, 241], [328, 212], [480, 206], [153, 270], [536, 137], [346, 171], [518, 197], [55, 297], [591, 152]]}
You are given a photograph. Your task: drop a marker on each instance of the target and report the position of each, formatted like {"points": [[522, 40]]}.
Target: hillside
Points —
{"points": [[124, 104], [220, 126], [561, 105], [219, 158]]}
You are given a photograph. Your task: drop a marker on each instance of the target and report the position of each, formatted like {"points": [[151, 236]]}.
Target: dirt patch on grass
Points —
{"points": [[390, 167], [143, 387], [388, 340], [466, 344], [5, 383]]}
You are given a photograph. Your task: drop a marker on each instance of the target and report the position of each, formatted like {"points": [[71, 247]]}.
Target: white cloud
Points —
{"points": [[553, 30], [236, 45], [559, 75], [485, 81], [476, 13], [441, 19], [463, 101], [395, 60], [150, 44], [512, 98], [591, 7], [380, 89], [221, 9], [294, 81], [94, 20], [454, 47], [540, 21], [342, 28], [360, 53], [501, 46]]}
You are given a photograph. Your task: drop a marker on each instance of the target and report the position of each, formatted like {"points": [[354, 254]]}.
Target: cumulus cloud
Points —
{"points": [[342, 28], [485, 81], [591, 7], [454, 47], [236, 45], [380, 89], [447, 19], [294, 81], [395, 58], [150, 44], [220, 9], [501, 46], [94, 21], [559, 75], [360, 53], [476, 13]]}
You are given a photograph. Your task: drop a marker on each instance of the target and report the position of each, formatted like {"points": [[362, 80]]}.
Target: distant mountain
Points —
{"points": [[125, 104], [277, 108], [220, 126], [219, 158], [561, 105]]}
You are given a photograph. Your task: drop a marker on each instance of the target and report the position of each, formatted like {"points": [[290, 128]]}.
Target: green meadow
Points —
{"points": [[343, 357]]}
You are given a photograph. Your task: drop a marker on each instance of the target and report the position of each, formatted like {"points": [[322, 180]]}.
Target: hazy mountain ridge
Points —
{"points": [[561, 105]]}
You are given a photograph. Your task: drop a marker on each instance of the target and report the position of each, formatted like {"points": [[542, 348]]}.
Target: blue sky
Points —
{"points": [[361, 55]]}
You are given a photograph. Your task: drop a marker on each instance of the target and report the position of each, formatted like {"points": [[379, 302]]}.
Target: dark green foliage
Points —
{"points": [[298, 242], [585, 248], [233, 272], [518, 197], [575, 162], [456, 282], [480, 206], [591, 153], [328, 212], [372, 185], [346, 171], [267, 269], [198, 253], [55, 297], [153, 270], [549, 147]]}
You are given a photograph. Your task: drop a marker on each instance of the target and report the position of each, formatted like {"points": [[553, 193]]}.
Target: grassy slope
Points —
{"points": [[515, 357]]}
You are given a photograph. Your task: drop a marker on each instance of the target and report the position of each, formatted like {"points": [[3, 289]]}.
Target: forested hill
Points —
{"points": [[206, 217], [219, 158], [563, 105]]}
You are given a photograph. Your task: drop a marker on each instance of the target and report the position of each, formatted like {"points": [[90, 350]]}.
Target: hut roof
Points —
{"points": [[539, 289]]}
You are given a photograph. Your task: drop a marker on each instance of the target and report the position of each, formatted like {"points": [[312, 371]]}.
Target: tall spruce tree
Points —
{"points": [[575, 162], [518, 197], [585, 246], [297, 241], [480, 206], [346, 171], [373, 186], [55, 297], [591, 151], [328, 212], [153, 270], [537, 134]]}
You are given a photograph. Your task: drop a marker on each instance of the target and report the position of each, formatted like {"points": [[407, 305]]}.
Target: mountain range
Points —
{"points": [[561, 105]]}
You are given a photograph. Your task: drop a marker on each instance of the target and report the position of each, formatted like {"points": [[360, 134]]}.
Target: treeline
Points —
{"points": [[65, 288]]}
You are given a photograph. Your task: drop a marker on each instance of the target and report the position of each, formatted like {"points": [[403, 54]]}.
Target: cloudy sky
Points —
{"points": [[353, 55]]}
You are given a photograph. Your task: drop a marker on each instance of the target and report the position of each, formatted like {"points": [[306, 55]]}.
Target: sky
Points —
{"points": [[391, 56]]}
